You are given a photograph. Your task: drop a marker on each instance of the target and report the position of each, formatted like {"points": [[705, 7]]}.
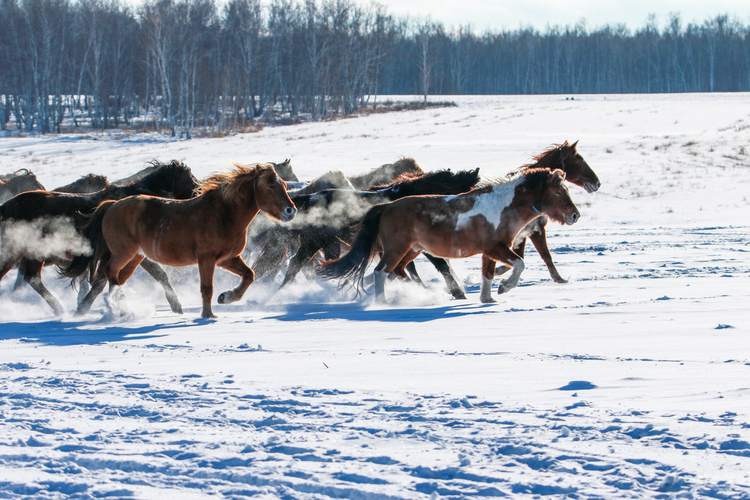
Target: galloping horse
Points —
{"points": [[209, 230], [325, 219], [566, 158], [39, 216], [485, 220]]}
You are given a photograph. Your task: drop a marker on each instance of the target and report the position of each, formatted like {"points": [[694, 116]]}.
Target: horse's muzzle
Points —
{"points": [[572, 219], [590, 187], [288, 214]]}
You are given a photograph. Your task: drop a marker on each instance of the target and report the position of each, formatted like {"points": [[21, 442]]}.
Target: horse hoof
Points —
{"points": [[223, 298], [560, 280], [459, 296]]}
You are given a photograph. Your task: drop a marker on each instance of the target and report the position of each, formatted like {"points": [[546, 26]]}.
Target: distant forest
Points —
{"points": [[196, 66]]}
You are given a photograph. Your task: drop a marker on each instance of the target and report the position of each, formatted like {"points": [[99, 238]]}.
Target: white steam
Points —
{"points": [[41, 239], [345, 208]]}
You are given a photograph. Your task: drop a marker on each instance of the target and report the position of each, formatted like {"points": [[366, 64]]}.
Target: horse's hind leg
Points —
{"points": [[488, 272], [96, 288], [444, 268], [21, 276], [158, 273], [237, 266], [33, 276], [411, 270], [306, 252]]}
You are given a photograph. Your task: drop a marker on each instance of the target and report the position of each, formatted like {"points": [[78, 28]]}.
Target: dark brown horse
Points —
{"points": [[209, 230], [39, 226], [485, 220], [566, 158]]}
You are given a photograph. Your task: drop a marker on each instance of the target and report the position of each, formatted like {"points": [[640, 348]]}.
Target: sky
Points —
{"points": [[494, 14]]}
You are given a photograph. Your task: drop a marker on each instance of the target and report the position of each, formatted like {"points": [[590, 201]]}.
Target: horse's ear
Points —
{"points": [[558, 176], [574, 146]]}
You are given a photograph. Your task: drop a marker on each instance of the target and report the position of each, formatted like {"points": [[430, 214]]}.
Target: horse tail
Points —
{"points": [[91, 231], [351, 267]]}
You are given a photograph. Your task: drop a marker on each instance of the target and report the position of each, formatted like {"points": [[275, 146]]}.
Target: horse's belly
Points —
{"points": [[447, 249]]}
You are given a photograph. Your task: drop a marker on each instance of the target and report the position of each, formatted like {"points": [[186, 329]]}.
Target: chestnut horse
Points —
{"points": [[485, 220], [209, 230], [566, 158]]}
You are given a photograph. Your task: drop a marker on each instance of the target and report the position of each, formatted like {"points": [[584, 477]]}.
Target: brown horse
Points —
{"points": [[485, 220], [566, 158], [209, 230]]}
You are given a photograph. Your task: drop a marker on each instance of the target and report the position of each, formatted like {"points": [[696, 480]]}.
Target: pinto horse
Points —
{"points": [[209, 230], [39, 226], [486, 220], [566, 158]]}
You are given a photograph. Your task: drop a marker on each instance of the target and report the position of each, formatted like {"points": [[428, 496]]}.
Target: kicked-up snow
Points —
{"points": [[632, 380]]}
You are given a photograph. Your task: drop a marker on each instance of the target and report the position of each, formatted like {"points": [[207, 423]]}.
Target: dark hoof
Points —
{"points": [[223, 298], [459, 296], [177, 309]]}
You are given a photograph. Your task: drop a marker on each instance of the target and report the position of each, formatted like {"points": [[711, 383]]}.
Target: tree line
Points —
{"points": [[185, 66]]}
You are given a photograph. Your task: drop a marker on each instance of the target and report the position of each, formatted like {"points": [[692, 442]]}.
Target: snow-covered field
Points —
{"points": [[630, 381]]}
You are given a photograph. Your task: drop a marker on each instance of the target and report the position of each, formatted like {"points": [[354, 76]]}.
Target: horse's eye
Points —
{"points": [[272, 187], [558, 192]]}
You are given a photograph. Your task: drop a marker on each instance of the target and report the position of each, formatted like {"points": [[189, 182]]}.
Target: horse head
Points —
{"points": [[271, 196], [576, 169], [554, 199], [284, 170]]}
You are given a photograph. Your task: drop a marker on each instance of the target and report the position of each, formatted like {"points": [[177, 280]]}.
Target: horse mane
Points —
{"points": [[549, 158], [25, 172], [531, 177], [230, 183], [407, 176], [538, 178]]}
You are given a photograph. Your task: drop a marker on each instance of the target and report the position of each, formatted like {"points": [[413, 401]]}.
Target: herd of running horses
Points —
{"points": [[98, 233]]}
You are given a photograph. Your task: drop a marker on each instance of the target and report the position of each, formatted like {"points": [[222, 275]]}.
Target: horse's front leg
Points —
{"points": [[206, 272], [539, 239], [505, 254], [237, 266]]}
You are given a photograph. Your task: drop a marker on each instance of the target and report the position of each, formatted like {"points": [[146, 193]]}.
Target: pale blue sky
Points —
{"points": [[539, 13]]}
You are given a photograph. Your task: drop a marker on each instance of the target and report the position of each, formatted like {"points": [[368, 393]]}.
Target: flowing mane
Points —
{"points": [[550, 158], [231, 182]]}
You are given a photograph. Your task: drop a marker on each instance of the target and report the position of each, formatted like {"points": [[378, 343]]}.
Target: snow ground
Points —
{"points": [[630, 381]]}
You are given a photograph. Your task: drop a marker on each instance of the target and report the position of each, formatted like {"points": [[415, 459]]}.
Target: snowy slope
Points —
{"points": [[630, 381]]}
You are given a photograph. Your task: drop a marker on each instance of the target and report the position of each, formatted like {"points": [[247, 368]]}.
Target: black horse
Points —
{"points": [[49, 213], [329, 218]]}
